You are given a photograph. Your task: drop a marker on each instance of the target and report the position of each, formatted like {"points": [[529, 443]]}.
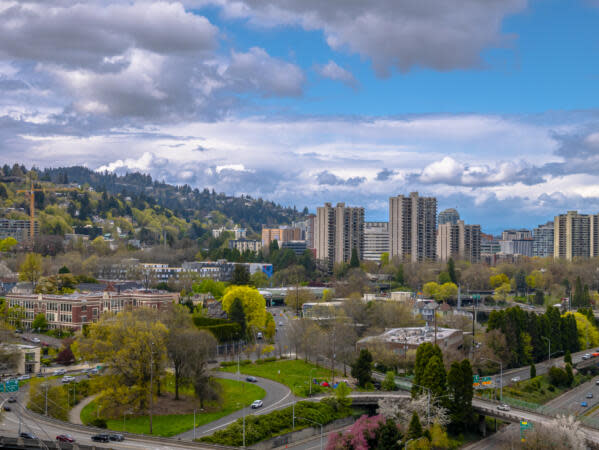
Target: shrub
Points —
{"points": [[99, 423]]}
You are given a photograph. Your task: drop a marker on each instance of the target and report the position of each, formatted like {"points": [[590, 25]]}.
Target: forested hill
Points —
{"points": [[184, 201]]}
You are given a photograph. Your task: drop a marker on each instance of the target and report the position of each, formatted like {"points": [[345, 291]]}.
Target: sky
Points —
{"points": [[491, 106]]}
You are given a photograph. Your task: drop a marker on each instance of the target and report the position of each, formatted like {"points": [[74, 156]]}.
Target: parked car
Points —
{"points": [[65, 438], [24, 377], [67, 379], [35, 340], [251, 379], [59, 372], [584, 404], [12, 399], [19, 331], [7, 408], [503, 407], [590, 395], [515, 379], [101, 437], [27, 435], [116, 437], [586, 356], [257, 404], [597, 382], [94, 371]]}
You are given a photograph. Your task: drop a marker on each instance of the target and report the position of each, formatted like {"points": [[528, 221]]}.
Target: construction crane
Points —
{"points": [[31, 192]]}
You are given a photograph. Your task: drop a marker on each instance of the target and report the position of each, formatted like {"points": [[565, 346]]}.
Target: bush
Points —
{"points": [[99, 423], [224, 332], [550, 388], [558, 377]]}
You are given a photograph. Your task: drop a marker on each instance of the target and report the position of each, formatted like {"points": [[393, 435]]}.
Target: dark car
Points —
{"points": [[65, 438], [251, 379], [27, 435], [102, 437], [12, 399], [116, 437], [7, 408], [19, 331]]}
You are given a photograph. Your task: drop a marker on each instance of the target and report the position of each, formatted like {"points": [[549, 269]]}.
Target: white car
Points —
{"points": [[503, 407], [24, 377], [515, 379], [586, 356], [259, 335], [68, 379], [35, 340], [257, 404], [59, 372]]}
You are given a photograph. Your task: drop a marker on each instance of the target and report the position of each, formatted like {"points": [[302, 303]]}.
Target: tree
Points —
{"points": [[569, 375], [539, 298], [362, 368], [447, 291], [7, 244], [498, 280], [237, 315], [253, 303], [434, 376], [40, 322], [31, 269], [354, 261], [439, 438], [502, 291], [520, 281], [196, 369], [64, 269], [259, 279], [384, 259], [415, 428], [424, 353], [533, 370], [389, 382], [65, 356], [431, 289], [399, 275], [568, 357], [388, 436], [451, 271], [241, 275], [459, 388], [342, 396], [44, 396], [297, 297]]}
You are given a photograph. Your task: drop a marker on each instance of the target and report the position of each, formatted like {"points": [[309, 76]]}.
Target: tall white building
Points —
{"points": [[376, 240]]}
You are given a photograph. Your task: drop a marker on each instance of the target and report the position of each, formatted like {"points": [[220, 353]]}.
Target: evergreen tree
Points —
{"points": [[451, 271], [237, 315], [399, 275], [459, 388], [434, 376], [274, 246], [362, 368], [521, 282], [539, 298], [569, 374], [354, 262], [389, 382], [415, 428], [64, 269], [578, 297], [241, 275], [388, 436], [424, 353], [568, 357], [533, 370]]}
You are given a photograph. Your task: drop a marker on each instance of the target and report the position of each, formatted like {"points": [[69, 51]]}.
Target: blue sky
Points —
{"points": [[490, 106]]}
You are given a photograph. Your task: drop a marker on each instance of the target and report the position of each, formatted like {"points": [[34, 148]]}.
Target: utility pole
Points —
{"points": [[46, 396], [151, 382]]}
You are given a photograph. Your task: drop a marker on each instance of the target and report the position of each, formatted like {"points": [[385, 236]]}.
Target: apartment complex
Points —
{"points": [[17, 229], [75, 310], [338, 230], [281, 234], [243, 245], [511, 235], [458, 241], [542, 243], [238, 233], [376, 240], [450, 215], [575, 236], [413, 227]]}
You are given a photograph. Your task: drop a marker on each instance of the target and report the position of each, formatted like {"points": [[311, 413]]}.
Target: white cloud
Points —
{"points": [[333, 71]]}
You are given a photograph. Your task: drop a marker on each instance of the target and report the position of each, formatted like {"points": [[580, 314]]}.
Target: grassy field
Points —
{"points": [[293, 373], [233, 393]]}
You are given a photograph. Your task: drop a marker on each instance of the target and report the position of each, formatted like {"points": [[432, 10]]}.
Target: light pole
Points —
{"points": [[500, 377], [310, 380], [549, 342], [239, 404], [321, 434], [125, 415], [428, 406], [151, 382], [293, 392]]}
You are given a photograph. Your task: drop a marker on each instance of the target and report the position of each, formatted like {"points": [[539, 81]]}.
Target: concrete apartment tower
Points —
{"points": [[338, 230], [413, 227], [458, 241], [575, 236]]}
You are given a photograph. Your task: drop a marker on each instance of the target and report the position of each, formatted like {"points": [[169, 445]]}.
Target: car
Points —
{"points": [[65, 438], [12, 399], [35, 340], [94, 371], [590, 395], [281, 324], [515, 379], [503, 407], [67, 379], [7, 408], [24, 377], [39, 375], [101, 437], [257, 404], [27, 435], [251, 379], [259, 335], [116, 437], [19, 331], [584, 404], [586, 356], [58, 372], [597, 382]]}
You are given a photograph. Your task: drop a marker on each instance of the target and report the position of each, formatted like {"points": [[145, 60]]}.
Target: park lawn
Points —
{"points": [[234, 394], [289, 372]]}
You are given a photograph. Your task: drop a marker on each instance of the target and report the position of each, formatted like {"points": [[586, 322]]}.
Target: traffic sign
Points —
{"points": [[1, 387], [12, 387], [475, 378], [487, 381], [525, 425]]}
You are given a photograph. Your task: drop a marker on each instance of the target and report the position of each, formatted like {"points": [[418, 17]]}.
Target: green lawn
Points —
{"points": [[293, 373], [234, 393]]}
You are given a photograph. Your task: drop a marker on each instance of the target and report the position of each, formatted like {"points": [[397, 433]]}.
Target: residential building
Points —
{"points": [[75, 310], [28, 361], [222, 270], [243, 245], [338, 230], [401, 340], [516, 247], [413, 227], [298, 247], [572, 236], [542, 243], [448, 216], [376, 240], [510, 235], [489, 246], [238, 233], [280, 234], [18, 229], [458, 241]]}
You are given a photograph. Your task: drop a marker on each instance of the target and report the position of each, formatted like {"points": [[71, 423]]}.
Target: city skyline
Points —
{"points": [[489, 107]]}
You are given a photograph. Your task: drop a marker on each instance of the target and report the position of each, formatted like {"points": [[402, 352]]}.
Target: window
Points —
{"points": [[83, 308], [66, 307]]}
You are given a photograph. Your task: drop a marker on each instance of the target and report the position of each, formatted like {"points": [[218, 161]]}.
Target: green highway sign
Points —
{"points": [[525, 425], [1, 387], [475, 378]]}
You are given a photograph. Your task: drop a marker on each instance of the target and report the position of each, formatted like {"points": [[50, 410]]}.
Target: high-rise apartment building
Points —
{"points": [[511, 235], [338, 230], [572, 235], [376, 240], [458, 241], [449, 216], [306, 228], [413, 227], [542, 243]]}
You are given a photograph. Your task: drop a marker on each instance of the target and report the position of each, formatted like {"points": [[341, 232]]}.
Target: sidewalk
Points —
{"points": [[75, 412]]}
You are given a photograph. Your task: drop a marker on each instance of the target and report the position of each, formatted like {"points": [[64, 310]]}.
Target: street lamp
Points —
{"points": [[549, 342], [243, 411], [500, 377], [151, 382], [294, 400], [321, 434]]}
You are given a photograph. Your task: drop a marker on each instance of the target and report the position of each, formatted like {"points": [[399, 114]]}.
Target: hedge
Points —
{"points": [[200, 321], [225, 332], [259, 428]]}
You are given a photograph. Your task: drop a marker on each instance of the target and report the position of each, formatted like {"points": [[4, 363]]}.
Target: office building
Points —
{"points": [[243, 245], [542, 242], [458, 241], [298, 247], [376, 240], [449, 216], [572, 235], [413, 227], [338, 230], [400, 340]]}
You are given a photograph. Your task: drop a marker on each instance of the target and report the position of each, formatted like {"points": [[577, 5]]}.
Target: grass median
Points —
{"points": [[234, 396]]}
